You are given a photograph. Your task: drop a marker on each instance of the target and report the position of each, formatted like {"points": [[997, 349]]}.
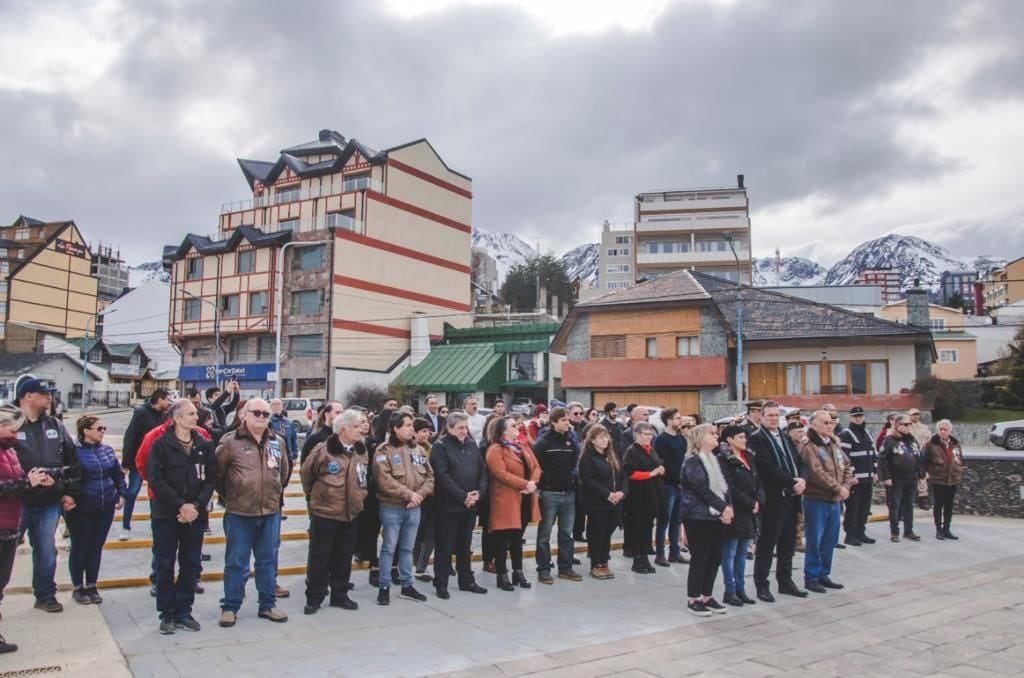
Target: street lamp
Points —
{"points": [[740, 390], [216, 334], [279, 294], [85, 351]]}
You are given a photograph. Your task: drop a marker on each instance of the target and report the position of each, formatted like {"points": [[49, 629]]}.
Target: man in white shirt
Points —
{"points": [[477, 421]]}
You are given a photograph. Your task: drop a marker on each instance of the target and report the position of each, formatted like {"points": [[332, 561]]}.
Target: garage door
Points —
{"points": [[687, 402]]}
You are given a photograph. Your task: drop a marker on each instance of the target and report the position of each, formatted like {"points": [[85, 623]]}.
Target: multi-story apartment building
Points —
{"points": [[342, 245], [45, 282], [1004, 286], [110, 271], [616, 267], [886, 278], [706, 230]]}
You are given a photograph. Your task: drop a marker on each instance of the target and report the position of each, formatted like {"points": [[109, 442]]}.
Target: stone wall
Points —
{"points": [[972, 435], [993, 484]]}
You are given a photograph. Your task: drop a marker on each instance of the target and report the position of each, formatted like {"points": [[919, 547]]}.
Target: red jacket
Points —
{"points": [[12, 478], [147, 442]]}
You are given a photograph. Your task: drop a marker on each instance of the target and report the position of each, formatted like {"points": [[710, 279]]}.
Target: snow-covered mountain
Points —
{"points": [[912, 257], [582, 261], [143, 273], [787, 271], [508, 249]]}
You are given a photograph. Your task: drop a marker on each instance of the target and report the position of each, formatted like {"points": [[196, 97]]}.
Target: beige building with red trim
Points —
{"points": [[394, 230]]}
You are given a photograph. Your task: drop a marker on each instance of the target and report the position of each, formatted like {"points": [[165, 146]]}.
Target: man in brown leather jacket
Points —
{"points": [[252, 471], [334, 477], [829, 479]]}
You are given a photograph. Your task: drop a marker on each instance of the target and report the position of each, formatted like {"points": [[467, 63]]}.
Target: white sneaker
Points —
{"points": [[125, 535]]}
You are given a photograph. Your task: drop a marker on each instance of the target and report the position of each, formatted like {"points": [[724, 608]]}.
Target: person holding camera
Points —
{"points": [[103, 490], [13, 483], [43, 442]]}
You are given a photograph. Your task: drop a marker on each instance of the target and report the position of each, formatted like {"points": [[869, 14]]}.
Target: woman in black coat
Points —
{"points": [[603, 490], [646, 496], [747, 495]]}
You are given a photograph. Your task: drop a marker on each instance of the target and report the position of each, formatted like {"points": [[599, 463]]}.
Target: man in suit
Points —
{"points": [[433, 415]]}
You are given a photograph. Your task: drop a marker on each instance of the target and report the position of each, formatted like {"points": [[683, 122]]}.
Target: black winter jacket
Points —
{"points": [[144, 419], [697, 496], [859, 446], [459, 469], [775, 477], [598, 480], [672, 450], [900, 460], [176, 478], [744, 489], [558, 454]]}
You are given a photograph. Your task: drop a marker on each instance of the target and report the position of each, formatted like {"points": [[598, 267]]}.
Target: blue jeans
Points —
{"points": [[134, 487], [821, 534], [247, 536], [560, 505], [734, 564], [41, 524], [399, 526], [670, 521]]}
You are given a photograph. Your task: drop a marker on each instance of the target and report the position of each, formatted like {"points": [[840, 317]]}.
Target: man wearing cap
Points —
{"points": [[43, 442], [753, 421], [917, 429], [860, 448]]}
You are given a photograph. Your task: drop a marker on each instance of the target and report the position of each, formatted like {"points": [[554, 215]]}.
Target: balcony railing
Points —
{"points": [[318, 223], [690, 257], [694, 222], [348, 186]]}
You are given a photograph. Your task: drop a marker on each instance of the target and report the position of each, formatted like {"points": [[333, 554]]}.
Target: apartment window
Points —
{"points": [[356, 183], [135, 359], [307, 301], [618, 268], [194, 268], [265, 348], [345, 219], [652, 347], [619, 252], [612, 346], [201, 352], [288, 225], [245, 261], [21, 234], [617, 284], [306, 345], [522, 366], [3, 252], [3, 309], [949, 355], [229, 306], [687, 346], [3, 329], [937, 323], [714, 246], [96, 355], [238, 349], [623, 239], [308, 258], [192, 310], [257, 303], [288, 193]]}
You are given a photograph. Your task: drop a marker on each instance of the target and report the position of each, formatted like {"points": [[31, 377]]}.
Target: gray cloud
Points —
{"points": [[558, 134]]}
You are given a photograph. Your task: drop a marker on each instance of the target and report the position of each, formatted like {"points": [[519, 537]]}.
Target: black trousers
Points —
{"points": [[778, 536], [369, 530], [902, 498], [944, 495], [507, 543], [858, 506], [600, 525], [579, 525], [8, 549], [181, 542], [705, 539], [488, 546], [453, 534], [331, 544]]}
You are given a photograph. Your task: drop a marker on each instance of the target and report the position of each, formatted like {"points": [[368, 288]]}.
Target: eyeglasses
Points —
{"points": [[101, 429], [903, 423], [576, 414], [261, 414]]}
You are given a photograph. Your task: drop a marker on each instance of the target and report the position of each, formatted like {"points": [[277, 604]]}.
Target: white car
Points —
{"points": [[1008, 434]]}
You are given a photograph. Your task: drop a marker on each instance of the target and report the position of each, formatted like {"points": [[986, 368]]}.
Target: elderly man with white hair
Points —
{"points": [[943, 459], [252, 472]]}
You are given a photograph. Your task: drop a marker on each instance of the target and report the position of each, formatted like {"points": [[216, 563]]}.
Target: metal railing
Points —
{"points": [[348, 186]]}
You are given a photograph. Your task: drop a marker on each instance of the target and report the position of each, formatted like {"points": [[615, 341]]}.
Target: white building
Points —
{"points": [[615, 258]]}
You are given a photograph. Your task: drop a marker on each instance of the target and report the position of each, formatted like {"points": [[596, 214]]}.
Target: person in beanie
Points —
{"points": [[404, 479], [747, 497], [646, 498], [859, 446], [13, 482], [944, 462], [899, 468], [334, 478]]}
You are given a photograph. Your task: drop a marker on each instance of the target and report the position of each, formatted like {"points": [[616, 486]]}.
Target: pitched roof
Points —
{"points": [[769, 315], [677, 286], [204, 245], [20, 363], [124, 350]]}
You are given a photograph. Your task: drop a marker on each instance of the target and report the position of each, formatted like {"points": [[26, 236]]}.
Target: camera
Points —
{"points": [[55, 472]]}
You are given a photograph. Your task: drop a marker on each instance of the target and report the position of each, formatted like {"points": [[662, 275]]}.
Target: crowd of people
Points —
{"points": [[391, 488]]}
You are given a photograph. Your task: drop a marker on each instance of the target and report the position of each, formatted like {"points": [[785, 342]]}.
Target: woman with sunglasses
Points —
{"points": [[103, 490], [645, 500]]}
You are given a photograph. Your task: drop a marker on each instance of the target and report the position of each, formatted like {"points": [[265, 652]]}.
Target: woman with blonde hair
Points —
{"points": [[603, 490]]}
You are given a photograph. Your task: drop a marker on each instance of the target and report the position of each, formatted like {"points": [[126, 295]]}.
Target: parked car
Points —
{"points": [[653, 417], [302, 411], [523, 406], [1008, 434]]}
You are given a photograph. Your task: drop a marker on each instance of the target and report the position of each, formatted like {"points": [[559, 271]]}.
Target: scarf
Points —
{"points": [[716, 482], [514, 446], [647, 449]]}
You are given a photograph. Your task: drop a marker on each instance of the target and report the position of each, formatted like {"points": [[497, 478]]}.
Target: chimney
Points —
{"points": [[325, 134], [739, 180], [979, 298], [918, 314], [419, 345]]}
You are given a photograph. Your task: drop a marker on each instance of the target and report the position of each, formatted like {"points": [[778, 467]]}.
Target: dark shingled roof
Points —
{"points": [[678, 286], [204, 245], [771, 315]]}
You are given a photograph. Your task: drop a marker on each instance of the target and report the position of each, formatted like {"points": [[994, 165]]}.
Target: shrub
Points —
{"points": [[943, 396]]}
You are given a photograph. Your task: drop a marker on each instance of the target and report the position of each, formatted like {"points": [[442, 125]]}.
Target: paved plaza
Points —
{"points": [[909, 609]]}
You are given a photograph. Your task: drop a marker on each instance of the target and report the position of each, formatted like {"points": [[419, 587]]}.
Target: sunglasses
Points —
{"points": [[906, 423], [101, 429], [261, 414]]}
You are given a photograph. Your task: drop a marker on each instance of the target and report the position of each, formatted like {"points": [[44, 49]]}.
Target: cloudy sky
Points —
{"points": [[850, 120]]}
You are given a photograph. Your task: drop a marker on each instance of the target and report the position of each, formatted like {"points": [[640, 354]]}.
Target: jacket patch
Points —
{"points": [[334, 468], [51, 434], [380, 458], [396, 459]]}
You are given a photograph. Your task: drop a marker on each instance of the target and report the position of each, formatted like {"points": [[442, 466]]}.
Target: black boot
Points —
{"points": [[948, 534], [939, 534], [519, 579], [504, 584]]}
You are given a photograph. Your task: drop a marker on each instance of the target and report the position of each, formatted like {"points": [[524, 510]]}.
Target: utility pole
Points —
{"points": [[740, 383]]}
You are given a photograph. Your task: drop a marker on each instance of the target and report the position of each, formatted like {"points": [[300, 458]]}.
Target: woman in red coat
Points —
{"points": [[514, 474]]}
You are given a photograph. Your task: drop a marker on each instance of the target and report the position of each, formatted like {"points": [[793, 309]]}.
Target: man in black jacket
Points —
{"points": [[557, 453], [222, 402], [859, 446], [324, 428], [460, 484], [43, 442], [670, 445], [778, 465], [145, 418]]}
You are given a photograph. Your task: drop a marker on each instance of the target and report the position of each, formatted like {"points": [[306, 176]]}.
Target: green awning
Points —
{"points": [[525, 346], [457, 367]]}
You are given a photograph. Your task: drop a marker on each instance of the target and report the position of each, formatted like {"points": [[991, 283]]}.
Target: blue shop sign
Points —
{"points": [[241, 372]]}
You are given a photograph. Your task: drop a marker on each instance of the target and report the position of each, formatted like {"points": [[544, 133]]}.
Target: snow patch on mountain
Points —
{"points": [[508, 249], [583, 261], [787, 271], [143, 273], [913, 258]]}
